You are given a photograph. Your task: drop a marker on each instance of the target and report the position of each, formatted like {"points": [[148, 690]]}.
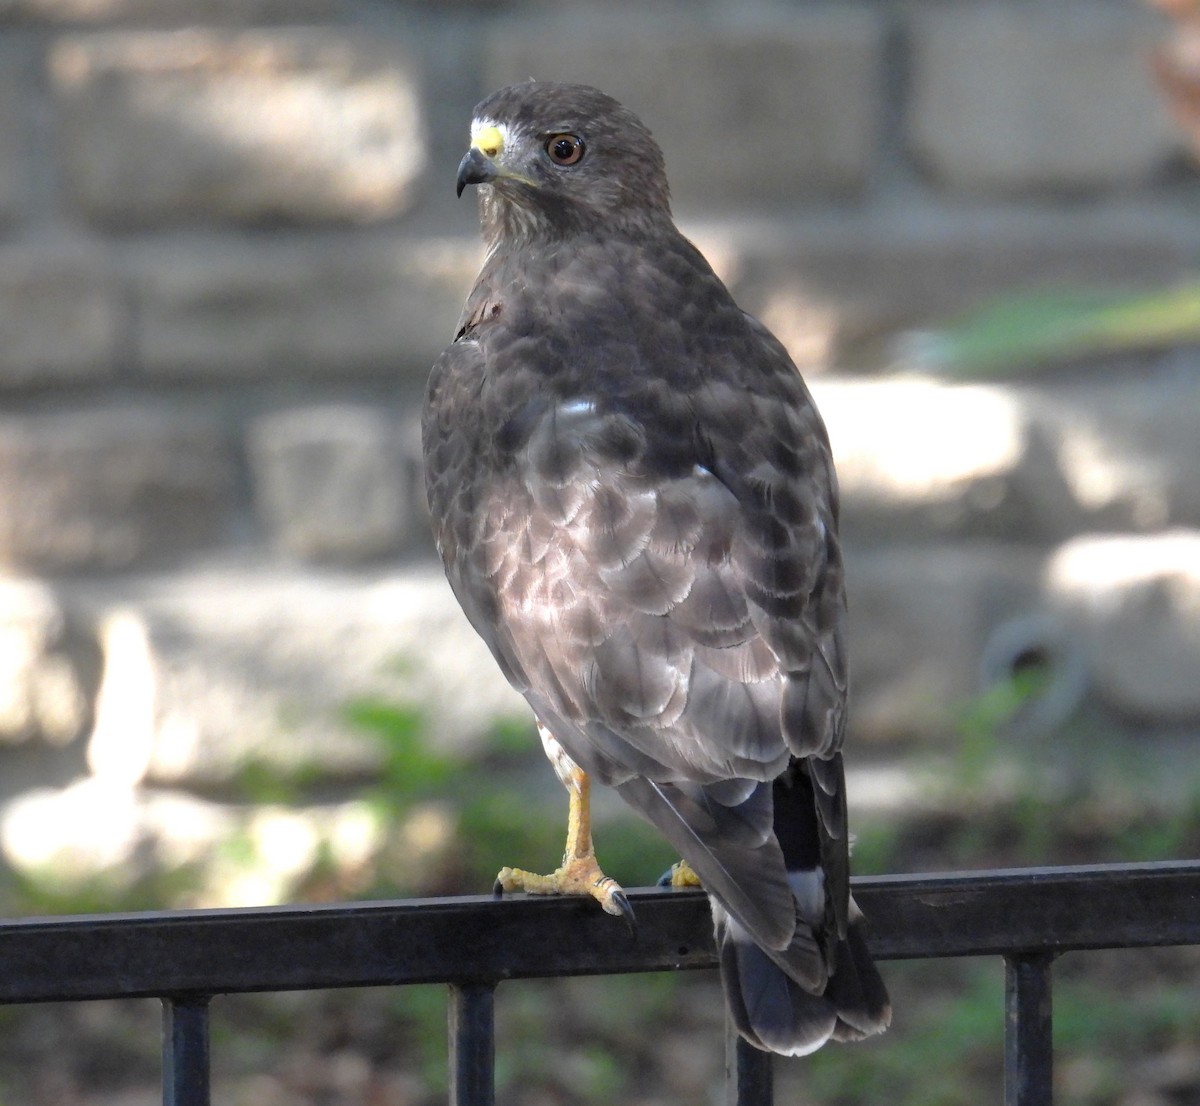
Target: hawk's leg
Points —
{"points": [[580, 873]]}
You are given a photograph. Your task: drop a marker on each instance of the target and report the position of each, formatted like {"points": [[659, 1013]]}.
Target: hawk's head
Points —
{"points": [[562, 157]]}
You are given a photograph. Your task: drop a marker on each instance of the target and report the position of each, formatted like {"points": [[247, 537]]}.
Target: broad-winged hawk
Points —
{"points": [[633, 496]]}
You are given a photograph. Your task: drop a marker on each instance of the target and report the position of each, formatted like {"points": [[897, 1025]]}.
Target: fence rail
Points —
{"points": [[1027, 916]]}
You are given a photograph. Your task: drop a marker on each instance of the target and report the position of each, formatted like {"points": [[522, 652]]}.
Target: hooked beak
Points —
{"points": [[476, 168]]}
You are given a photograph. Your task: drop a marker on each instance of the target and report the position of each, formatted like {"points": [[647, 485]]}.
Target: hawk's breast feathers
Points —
{"points": [[648, 510]]}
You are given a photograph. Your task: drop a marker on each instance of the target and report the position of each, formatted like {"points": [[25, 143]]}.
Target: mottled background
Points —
{"points": [[230, 670]]}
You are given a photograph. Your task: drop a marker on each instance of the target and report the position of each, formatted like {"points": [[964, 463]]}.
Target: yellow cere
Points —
{"points": [[487, 138]]}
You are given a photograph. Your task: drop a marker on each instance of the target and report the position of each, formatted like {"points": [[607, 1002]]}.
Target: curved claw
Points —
{"points": [[621, 902], [581, 876]]}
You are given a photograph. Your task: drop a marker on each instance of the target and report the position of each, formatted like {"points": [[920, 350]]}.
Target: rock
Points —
{"points": [[1009, 98], [921, 620], [836, 290], [1136, 603], [17, 92], [302, 126], [1033, 463], [382, 305], [61, 314], [917, 457], [1127, 449], [331, 482], [167, 12], [49, 671], [215, 672], [110, 488], [747, 108]]}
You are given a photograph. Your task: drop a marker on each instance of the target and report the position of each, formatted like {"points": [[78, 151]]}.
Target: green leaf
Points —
{"points": [[1032, 330]]}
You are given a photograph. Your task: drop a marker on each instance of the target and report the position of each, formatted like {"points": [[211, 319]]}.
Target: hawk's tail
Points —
{"points": [[796, 969], [774, 1012]]}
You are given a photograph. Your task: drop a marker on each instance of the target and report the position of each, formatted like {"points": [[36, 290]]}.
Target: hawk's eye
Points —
{"points": [[565, 149]]}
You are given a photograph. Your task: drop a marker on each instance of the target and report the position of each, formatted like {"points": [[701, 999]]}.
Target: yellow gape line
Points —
{"points": [[580, 873]]}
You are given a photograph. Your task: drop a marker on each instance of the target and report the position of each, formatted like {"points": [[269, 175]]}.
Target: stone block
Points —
{"points": [[1129, 449], [1031, 463], [1010, 98], [293, 125], [1136, 603], [300, 307], [16, 109], [922, 622], [61, 314], [109, 489], [49, 671], [331, 482], [209, 672], [919, 458], [749, 108], [167, 12]]}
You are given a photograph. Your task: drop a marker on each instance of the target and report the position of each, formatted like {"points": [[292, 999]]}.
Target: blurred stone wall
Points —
{"points": [[230, 249]]}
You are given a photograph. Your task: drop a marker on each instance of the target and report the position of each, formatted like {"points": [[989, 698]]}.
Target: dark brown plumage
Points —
{"points": [[633, 496]]}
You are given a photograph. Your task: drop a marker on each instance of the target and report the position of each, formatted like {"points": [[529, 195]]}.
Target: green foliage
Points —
{"points": [[875, 848], [510, 737], [1032, 329], [983, 722], [1081, 794], [46, 892], [1100, 1017], [421, 1014], [945, 1048], [264, 782], [410, 766], [1172, 835]]}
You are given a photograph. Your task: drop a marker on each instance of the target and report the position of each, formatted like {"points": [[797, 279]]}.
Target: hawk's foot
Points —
{"points": [[578, 876], [679, 875]]}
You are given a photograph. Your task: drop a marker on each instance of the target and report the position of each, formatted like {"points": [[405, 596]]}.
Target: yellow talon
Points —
{"points": [[683, 876], [578, 876], [580, 873]]}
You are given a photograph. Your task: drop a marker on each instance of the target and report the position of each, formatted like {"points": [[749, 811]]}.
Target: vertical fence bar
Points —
{"points": [[185, 1051], [749, 1072], [1028, 1026], [471, 1017]]}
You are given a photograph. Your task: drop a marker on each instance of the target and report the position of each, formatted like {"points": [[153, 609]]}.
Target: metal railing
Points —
{"points": [[1027, 916]]}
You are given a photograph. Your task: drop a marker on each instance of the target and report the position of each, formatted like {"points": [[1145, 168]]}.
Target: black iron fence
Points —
{"points": [[1026, 916]]}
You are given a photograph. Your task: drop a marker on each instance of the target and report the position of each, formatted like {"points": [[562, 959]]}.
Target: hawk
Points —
{"points": [[633, 497]]}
